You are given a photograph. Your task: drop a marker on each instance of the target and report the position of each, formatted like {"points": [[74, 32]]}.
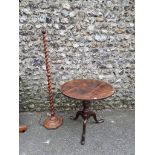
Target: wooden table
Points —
{"points": [[87, 90]]}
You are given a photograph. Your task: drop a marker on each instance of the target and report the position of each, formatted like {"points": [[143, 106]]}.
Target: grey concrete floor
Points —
{"points": [[116, 136]]}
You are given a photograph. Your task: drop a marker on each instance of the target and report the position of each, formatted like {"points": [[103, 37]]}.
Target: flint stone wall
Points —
{"points": [[86, 39]]}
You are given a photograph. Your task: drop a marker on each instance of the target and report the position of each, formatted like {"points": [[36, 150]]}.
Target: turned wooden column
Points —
{"points": [[53, 121]]}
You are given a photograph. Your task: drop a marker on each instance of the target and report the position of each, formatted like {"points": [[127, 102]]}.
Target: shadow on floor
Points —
{"points": [[116, 136]]}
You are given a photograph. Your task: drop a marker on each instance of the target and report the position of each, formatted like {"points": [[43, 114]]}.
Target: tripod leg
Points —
{"points": [[77, 115], [91, 113], [83, 132]]}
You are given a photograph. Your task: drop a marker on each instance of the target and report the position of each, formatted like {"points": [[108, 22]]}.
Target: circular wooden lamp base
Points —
{"points": [[53, 122]]}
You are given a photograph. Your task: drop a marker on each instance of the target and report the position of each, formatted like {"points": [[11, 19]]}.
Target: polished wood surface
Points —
{"points": [[22, 128], [54, 121], [87, 89]]}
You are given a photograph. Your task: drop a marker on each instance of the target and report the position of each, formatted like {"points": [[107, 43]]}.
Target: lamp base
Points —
{"points": [[53, 122]]}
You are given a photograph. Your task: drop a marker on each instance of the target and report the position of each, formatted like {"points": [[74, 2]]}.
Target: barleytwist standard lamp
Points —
{"points": [[53, 121]]}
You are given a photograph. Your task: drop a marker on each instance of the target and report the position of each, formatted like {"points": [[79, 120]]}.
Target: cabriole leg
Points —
{"points": [[77, 115], [83, 132], [93, 114]]}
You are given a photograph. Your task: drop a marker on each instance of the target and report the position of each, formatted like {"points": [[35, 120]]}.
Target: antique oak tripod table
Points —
{"points": [[86, 91]]}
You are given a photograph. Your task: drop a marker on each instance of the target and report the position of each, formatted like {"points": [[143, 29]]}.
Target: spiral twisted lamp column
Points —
{"points": [[53, 121]]}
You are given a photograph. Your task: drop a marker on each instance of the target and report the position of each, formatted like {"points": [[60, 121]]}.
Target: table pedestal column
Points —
{"points": [[86, 113]]}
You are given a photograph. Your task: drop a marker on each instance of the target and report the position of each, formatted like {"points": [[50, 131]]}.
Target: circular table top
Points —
{"points": [[85, 89]]}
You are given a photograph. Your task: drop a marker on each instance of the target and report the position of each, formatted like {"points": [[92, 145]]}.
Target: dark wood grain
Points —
{"points": [[87, 89]]}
